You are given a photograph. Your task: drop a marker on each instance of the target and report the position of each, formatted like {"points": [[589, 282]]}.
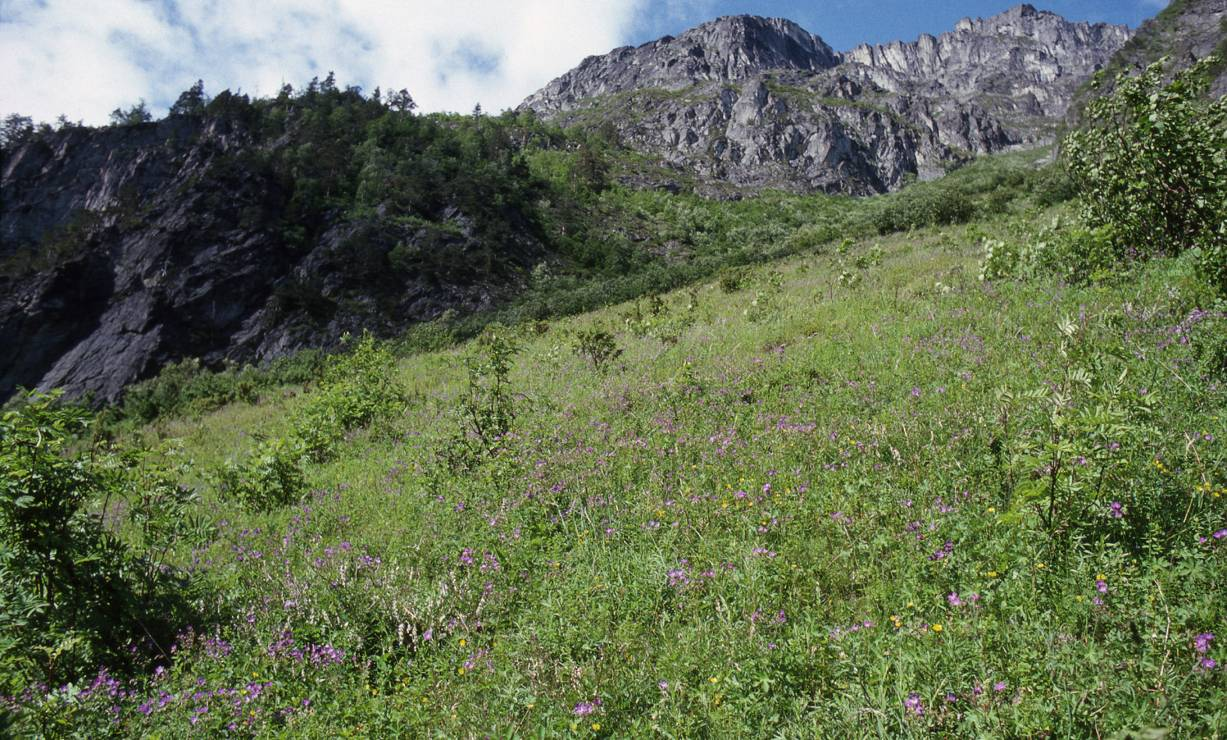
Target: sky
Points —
{"points": [[84, 58]]}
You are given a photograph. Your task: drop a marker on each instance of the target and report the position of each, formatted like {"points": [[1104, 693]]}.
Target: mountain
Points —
{"points": [[761, 103], [246, 232], [1184, 32], [240, 231]]}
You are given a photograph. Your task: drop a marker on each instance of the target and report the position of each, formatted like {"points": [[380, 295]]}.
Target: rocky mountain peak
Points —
{"points": [[760, 102], [1028, 22], [1017, 14], [729, 48], [1022, 47], [741, 45]]}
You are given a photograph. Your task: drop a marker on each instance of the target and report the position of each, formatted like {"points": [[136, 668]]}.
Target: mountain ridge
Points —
{"points": [[792, 113]]}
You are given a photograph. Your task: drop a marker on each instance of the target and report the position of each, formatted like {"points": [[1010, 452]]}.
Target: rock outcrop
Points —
{"points": [[130, 247], [762, 103], [1183, 32]]}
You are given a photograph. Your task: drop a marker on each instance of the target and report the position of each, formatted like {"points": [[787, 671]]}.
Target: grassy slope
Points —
{"points": [[736, 535]]}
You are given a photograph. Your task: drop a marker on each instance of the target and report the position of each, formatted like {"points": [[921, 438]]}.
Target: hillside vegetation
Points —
{"points": [[951, 461]]}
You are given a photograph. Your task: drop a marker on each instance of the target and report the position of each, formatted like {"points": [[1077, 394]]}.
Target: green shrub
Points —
{"points": [[661, 321], [765, 303], [72, 595], [812, 236], [1212, 257], [163, 509], [357, 388], [488, 406], [1000, 260], [733, 278], [187, 388], [1077, 254], [1080, 255], [1149, 163], [1051, 185], [599, 346], [868, 259], [928, 204], [269, 477], [1206, 330]]}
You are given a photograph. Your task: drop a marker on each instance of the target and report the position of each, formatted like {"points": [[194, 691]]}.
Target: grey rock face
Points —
{"points": [[757, 103], [1185, 32], [728, 48], [1031, 57], [185, 255]]}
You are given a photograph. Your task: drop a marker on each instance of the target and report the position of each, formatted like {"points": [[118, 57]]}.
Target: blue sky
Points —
{"points": [[846, 23], [84, 58]]}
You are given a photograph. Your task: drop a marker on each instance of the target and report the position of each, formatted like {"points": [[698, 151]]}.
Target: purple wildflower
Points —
{"points": [[913, 704], [944, 552], [1114, 510]]}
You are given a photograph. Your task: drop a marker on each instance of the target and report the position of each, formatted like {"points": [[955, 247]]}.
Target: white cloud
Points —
{"points": [[86, 57]]}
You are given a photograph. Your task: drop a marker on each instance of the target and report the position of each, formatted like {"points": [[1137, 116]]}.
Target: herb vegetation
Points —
{"points": [[956, 478]]}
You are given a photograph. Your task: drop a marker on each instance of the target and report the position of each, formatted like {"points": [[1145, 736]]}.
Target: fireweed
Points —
{"points": [[996, 509]]}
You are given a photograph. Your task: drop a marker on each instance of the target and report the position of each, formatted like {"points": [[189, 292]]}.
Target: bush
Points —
{"points": [[599, 346], [926, 204], [1080, 255], [663, 322], [71, 594], [1207, 333], [1212, 260], [357, 388], [1149, 163], [270, 477], [1000, 260], [488, 407], [185, 387], [733, 278], [1051, 185]]}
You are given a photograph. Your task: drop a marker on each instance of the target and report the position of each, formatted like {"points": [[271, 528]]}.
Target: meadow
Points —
{"points": [[949, 462], [791, 507]]}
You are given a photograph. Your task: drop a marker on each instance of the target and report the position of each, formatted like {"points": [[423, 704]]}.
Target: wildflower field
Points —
{"points": [[855, 492]]}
